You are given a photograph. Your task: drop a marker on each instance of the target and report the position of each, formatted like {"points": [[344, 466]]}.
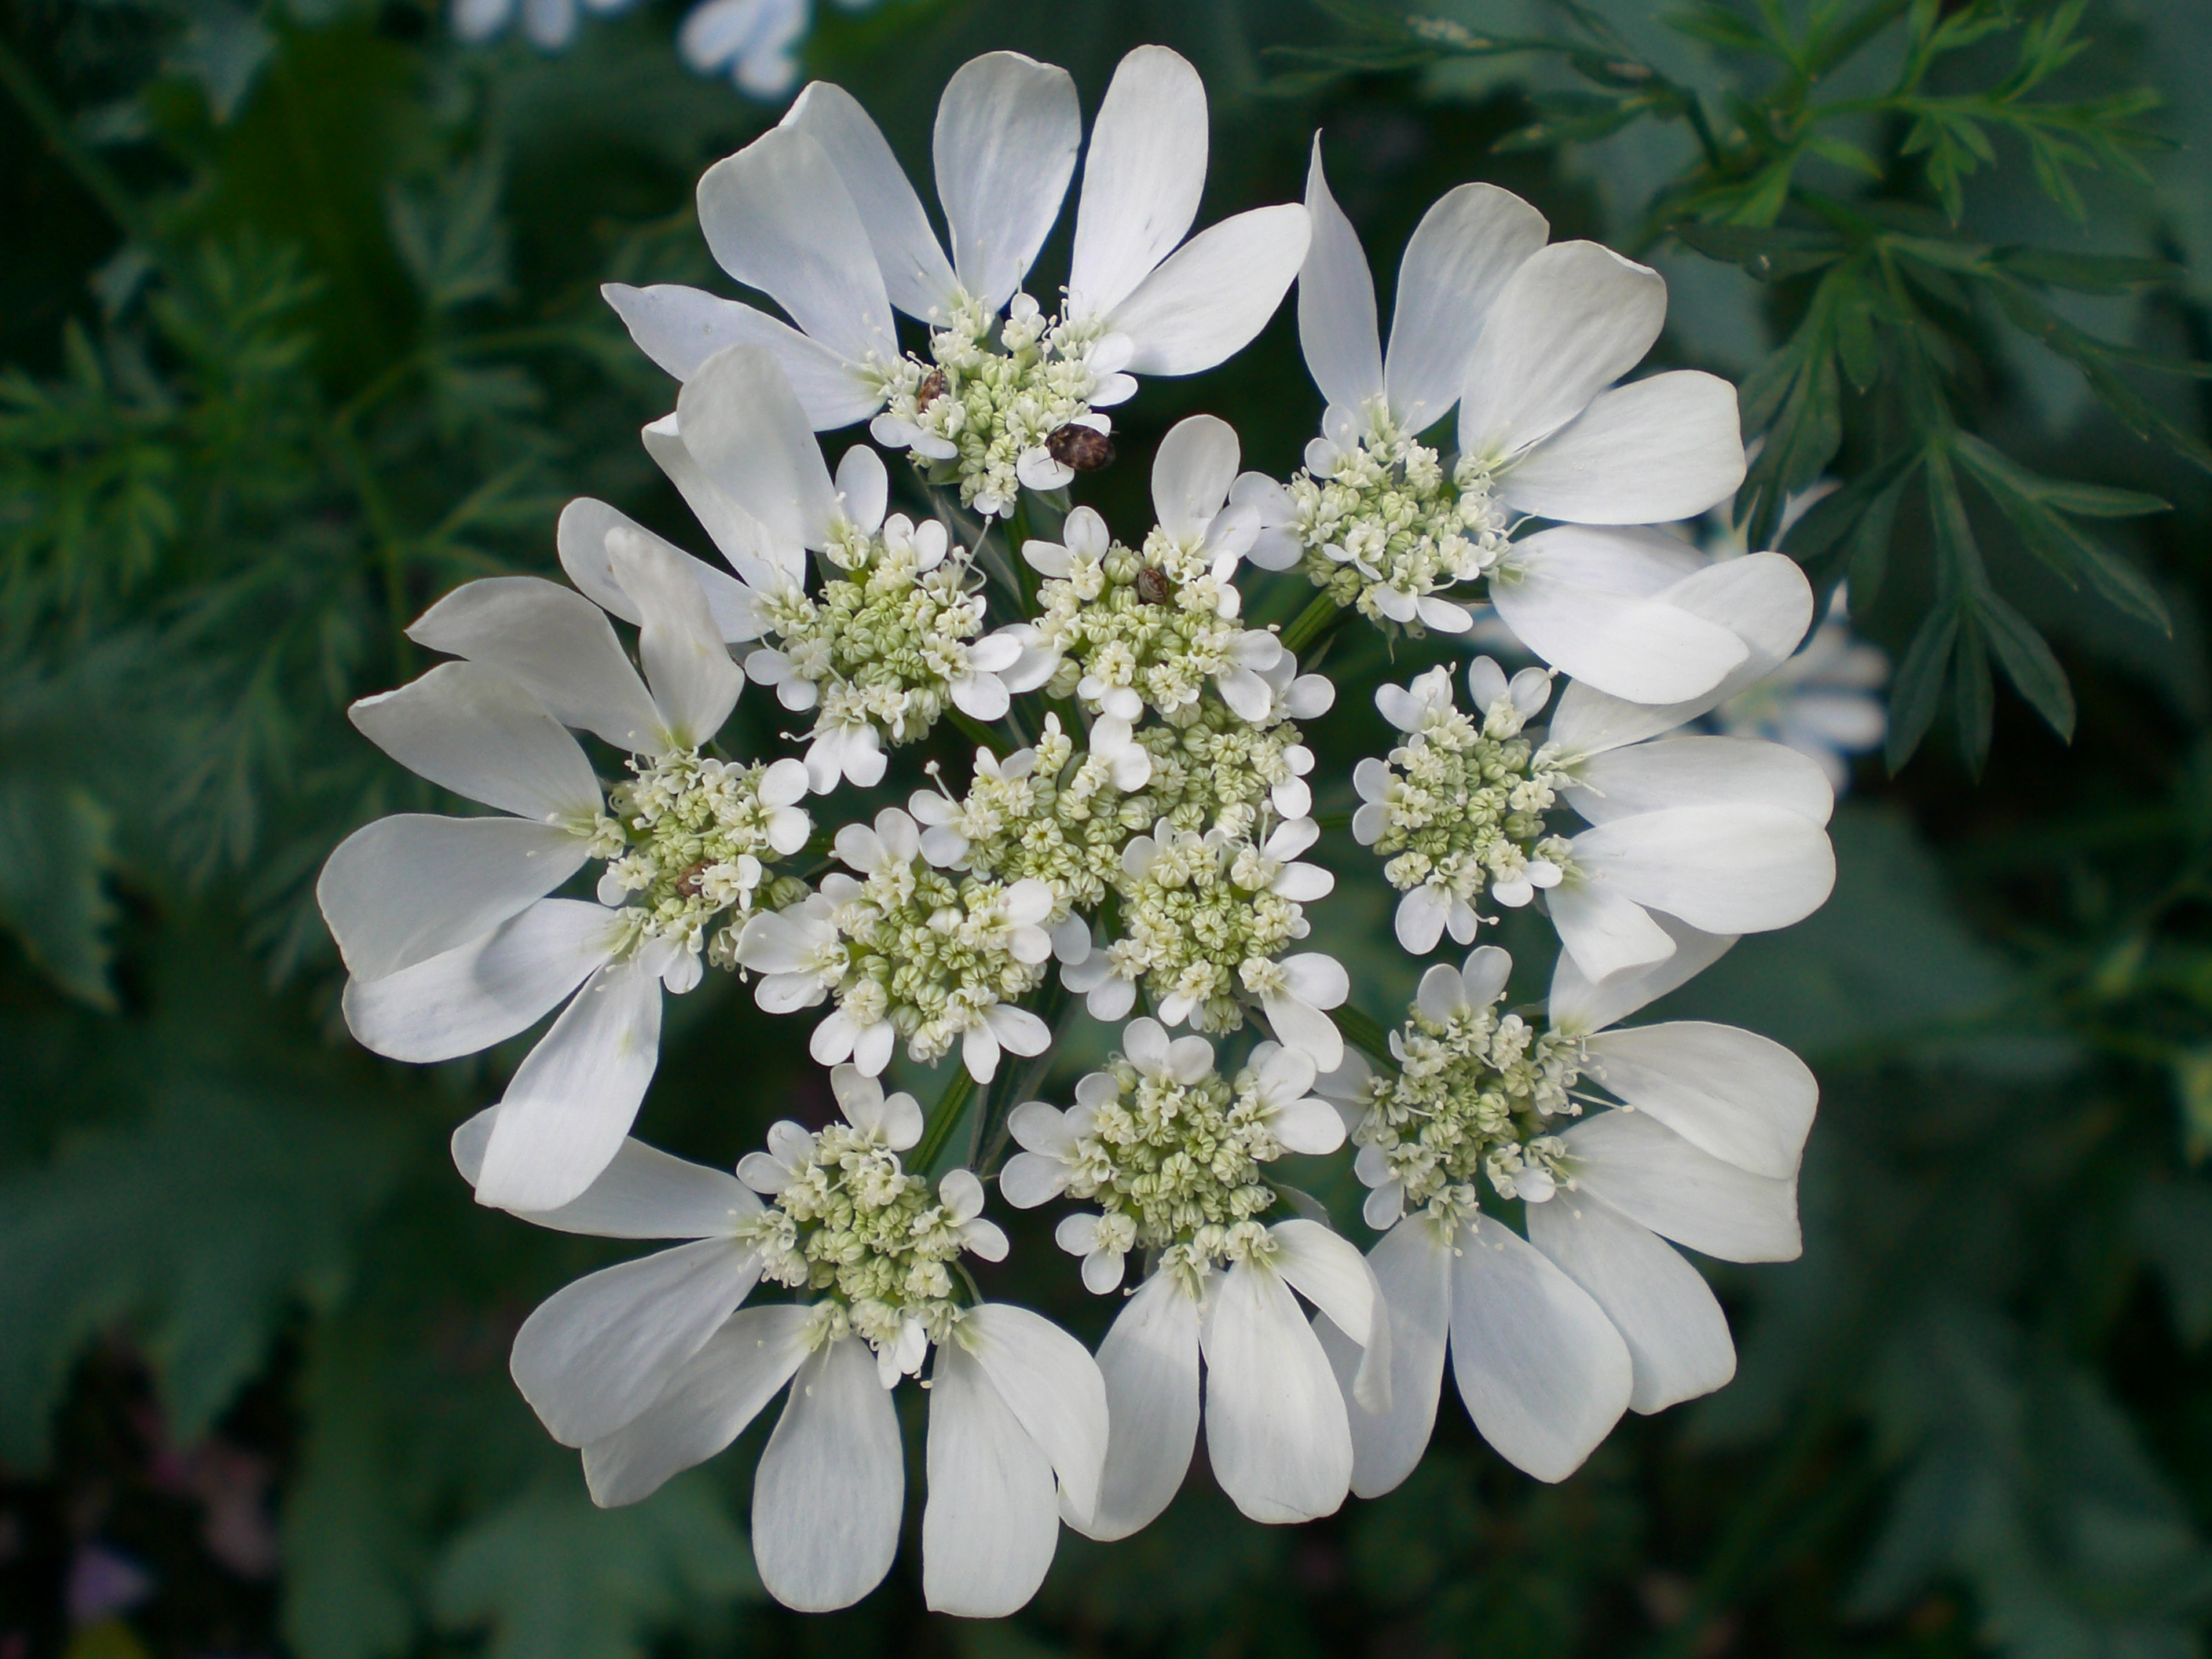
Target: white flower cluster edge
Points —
{"points": [[1134, 829]]}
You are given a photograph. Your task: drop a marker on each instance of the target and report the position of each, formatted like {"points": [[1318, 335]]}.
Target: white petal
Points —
{"points": [[1142, 178], [1579, 1006], [1054, 1388], [990, 1525], [1150, 1363], [831, 1484], [1007, 128], [741, 420], [1677, 1336], [1420, 922], [1651, 1174], [916, 276], [1460, 255], [585, 525], [981, 696], [595, 1354], [478, 733], [1442, 995], [1605, 931], [1215, 293], [1337, 325], [1649, 453], [1722, 869], [705, 1406], [1192, 472], [1698, 771], [1644, 650], [1413, 1267], [410, 887], [1569, 320], [1018, 1031], [1275, 1425], [1309, 1126], [757, 554], [864, 487], [576, 1095], [554, 642], [481, 993], [1543, 1372], [644, 1193], [679, 328], [1330, 1273], [695, 683], [1485, 974], [779, 218]]}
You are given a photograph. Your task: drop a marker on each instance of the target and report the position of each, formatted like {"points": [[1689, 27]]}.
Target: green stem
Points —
{"points": [[951, 1106], [1319, 617], [1364, 1032]]}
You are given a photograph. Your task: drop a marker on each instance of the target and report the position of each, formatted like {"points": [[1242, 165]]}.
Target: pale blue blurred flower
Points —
{"points": [[549, 25], [755, 42]]}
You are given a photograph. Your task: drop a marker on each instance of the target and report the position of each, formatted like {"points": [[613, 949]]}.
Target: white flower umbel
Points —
{"points": [[647, 1368], [444, 925], [817, 215], [1527, 339], [1824, 701], [549, 25], [1133, 629], [893, 637], [1459, 807], [1175, 1156], [1551, 1336], [907, 950]]}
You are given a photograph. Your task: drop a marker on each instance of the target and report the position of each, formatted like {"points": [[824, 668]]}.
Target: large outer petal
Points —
{"points": [[1763, 597], [597, 1353], [917, 277], [1275, 1423], [480, 733], [1329, 1271], [1337, 324], [1142, 178], [582, 538], [778, 218], [1725, 869], [679, 328], [1677, 1336], [1605, 934], [990, 1525], [576, 1095], [753, 550], [1214, 293], [1543, 1373], [1191, 471], [1640, 649], [742, 422], [1149, 1362], [705, 1406], [1649, 453], [413, 886], [1412, 1264], [1696, 771], [1740, 1096], [554, 642], [1007, 129], [643, 1192], [830, 1485], [1569, 320], [695, 683], [1053, 1387], [1651, 1174], [1462, 253], [484, 991], [1579, 1005]]}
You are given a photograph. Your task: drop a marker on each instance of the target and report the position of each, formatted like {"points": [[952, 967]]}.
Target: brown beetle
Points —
{"points": [[1085, 448]]}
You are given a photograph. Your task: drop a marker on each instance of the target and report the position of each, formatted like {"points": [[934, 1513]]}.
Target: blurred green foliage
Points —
{"points": [[302, 330]]}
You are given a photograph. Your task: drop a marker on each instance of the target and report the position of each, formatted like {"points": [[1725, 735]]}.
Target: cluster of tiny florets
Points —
{"points": [[1054, 814], [1176, 1167], [689, 835], [854, 1225], [926, 950], [1461, 806], [992, 395], [1155, 621], [1211, 770], [1474, 1093], [1385, 526], [1199, 923]]}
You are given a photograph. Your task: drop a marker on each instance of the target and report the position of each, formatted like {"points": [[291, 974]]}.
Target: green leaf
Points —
{"points": [[56, 843], [556, 1578], [1913, 695], [202, 1227], [2062, 495], [1973, 700], [1852, 522], [2085, 273], [2028, 663], [1770, 254], [2026, 501]]}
